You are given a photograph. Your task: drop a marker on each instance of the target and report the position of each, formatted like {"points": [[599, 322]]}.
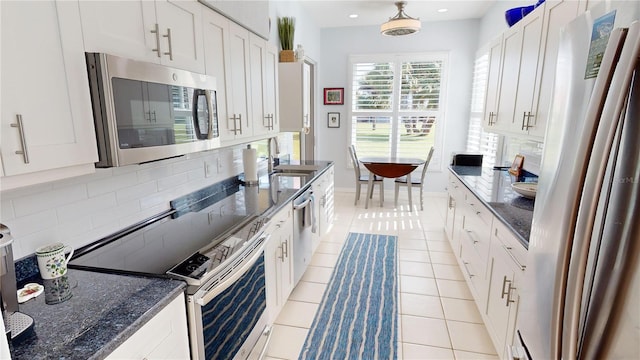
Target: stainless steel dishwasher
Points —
{"points": [[304, 224]]}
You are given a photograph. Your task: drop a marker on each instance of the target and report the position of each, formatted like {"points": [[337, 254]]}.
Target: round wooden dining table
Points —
{"points": [[389, 167]]}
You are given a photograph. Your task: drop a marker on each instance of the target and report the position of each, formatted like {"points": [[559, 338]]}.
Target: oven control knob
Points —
{"points": [[192, 267], [202, 259]]}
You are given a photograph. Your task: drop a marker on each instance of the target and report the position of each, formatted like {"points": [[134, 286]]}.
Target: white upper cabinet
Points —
{"points": [[47, 121], [557, 15], [527, 71], [264, 86], [245, 67], [162, 31], [238, 96], [227, 58], [494, 53], [295, 96], [519, 61]]}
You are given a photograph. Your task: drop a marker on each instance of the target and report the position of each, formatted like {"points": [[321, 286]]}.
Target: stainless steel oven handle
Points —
{"points": [[303, 205], [204, 300]]}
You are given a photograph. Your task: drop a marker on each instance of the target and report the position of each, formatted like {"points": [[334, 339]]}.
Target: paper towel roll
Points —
{"points": [[250, 163]]}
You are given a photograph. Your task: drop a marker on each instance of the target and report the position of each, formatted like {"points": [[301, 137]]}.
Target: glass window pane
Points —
{"points": [[372, 135], [372, 86], [417, 135], [420, 86]]}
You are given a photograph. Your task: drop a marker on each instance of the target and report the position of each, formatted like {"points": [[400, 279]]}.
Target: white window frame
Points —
{"points": [[436, 163]]}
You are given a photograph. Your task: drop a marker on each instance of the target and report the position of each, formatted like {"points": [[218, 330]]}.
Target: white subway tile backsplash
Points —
{"points": [[187, 165], [168, 182], [80, 210], [42, 201], [30, 224], [72, 228], [149, 174], [6, 210], [153, 200], [26, 191], [111, 184], [86, 207], [115, 214], [136, 192]]}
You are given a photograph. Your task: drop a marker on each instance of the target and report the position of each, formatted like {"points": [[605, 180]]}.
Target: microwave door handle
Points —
{"points": [[194, 113], [211, 98]]}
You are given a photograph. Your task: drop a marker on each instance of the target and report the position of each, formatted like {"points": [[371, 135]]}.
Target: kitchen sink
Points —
{"points": [[299, 168], [290, 173]]}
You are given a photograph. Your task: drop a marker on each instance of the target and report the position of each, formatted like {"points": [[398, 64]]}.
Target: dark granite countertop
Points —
{"points": [[493, 188], [103, 312], [106, 309]]}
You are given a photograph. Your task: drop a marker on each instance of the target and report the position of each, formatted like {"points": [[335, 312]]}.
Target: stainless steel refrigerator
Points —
{"points": [[581, 288]]}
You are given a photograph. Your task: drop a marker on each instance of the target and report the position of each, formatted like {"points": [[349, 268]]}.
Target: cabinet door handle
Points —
{"points": [[281, 256], [508, 250], [469, 232], [23, 141], [168, 36], [156, 31], [235, 128], [269, 118], [467, 269], [509, 300], [525, 120], [285, 249], [240, 121], [504, 285], [492, 115]]}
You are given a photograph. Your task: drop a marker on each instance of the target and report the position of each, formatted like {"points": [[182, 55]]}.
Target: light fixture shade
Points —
{"points": [[401, 24]]}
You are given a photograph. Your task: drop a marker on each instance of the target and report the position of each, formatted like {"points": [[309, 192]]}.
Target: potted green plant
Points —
{"points": [[286, 29]]}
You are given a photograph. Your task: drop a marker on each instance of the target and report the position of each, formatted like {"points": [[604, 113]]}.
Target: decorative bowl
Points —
{"points": [[516, 14], [526, 189]]}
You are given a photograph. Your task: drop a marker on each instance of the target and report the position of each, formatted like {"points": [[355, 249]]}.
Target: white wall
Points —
{"points": [[458, 38]]}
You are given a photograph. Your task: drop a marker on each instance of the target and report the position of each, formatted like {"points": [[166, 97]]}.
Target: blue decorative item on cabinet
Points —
{"points": [[516, 14]]}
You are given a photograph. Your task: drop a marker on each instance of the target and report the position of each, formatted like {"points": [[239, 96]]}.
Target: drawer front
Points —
{"points": [[512, 247], [477, 230]]}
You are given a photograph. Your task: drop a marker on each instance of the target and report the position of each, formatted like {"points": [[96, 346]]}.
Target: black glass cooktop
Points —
{"points": [[195, 225]]}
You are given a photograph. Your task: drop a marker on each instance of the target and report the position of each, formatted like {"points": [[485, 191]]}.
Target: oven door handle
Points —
{"points": [[302, 205], [208, 296]]}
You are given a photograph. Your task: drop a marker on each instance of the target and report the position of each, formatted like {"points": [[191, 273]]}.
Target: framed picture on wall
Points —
{"points": [[333, 96], [333, 120]]}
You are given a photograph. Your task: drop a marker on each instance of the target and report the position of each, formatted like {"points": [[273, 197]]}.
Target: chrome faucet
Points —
{"points": [[271, 154]]}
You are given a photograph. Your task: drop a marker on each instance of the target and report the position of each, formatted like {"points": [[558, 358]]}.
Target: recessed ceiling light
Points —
{"points": [[353, 16], [443, 10]]}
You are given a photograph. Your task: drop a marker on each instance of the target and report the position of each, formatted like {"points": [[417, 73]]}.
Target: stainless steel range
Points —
{"points": [[214, 240]]}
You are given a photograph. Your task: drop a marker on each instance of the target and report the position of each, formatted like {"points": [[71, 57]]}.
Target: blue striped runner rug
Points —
{"points": [[358, 316]]}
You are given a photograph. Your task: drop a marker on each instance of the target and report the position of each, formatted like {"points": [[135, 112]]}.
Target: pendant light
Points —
{"points": [[401, 24]]}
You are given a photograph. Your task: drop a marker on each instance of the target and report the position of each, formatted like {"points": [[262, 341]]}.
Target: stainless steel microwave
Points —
{"points": [[145, 112]]}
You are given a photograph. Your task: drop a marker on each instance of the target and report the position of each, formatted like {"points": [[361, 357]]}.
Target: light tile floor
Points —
{"points": [[438, 318]]}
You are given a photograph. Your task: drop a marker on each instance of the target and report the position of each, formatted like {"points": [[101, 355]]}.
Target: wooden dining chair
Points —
{"points": [[402, 181], [363, 178]]}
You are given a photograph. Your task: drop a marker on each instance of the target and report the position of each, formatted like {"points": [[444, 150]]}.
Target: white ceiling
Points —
{"points": [[335, 13]]}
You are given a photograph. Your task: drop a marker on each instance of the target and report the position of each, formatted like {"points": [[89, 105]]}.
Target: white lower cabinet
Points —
{"points": [[279, 261], [163, 337], [506, 271], [474, 237], [492, 261]]}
